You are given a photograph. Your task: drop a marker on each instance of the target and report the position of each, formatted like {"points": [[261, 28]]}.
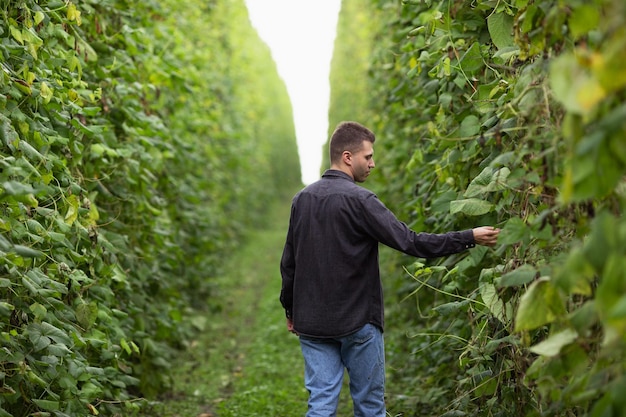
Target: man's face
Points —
{"points": [[362, 162]]}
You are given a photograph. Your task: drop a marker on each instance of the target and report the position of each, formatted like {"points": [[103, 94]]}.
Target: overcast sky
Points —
{"points": [[300, 35]]}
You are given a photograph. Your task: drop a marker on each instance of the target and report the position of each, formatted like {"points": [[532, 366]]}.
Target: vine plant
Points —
{"points": [[122, 154], [509, 113]]}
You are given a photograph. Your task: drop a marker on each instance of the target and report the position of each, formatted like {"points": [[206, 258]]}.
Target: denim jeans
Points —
{"points": [[363, 355]]}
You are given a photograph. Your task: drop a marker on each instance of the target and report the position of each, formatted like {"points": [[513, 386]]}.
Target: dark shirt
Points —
{"points": [[330, 276]]}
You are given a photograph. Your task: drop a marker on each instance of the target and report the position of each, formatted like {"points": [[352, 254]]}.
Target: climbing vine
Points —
{"points": [[508, 114], [136, 144]]}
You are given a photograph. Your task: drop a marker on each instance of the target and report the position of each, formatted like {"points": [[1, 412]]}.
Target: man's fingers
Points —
{"points": [[486, 235]]}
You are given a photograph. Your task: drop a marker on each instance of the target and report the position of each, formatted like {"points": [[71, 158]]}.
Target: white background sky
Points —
{"points": [[301, 34]]}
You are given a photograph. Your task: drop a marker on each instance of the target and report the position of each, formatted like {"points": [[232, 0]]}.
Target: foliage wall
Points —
{"points": [[348, 74], [138, 140], [509, 114]]}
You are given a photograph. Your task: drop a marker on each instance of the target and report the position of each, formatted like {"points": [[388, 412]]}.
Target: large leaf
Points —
{"points": [[472, 61], [42, 334], [540, 305], [490, 179], [496, 305], [471, 207], [519, 276], [553, 344], [514, 231], [574, 86], [470, 126], [501, 29]]}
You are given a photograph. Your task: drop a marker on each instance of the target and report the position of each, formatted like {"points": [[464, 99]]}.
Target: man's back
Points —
{"points": [[336, 287]]}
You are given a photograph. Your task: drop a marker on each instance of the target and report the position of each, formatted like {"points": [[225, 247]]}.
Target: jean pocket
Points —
{"points": [[363, 335]]}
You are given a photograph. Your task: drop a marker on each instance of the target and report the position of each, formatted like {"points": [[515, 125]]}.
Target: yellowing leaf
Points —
{"points": [[573, 84], [17, 34], [93, 410], [46, 92], [72, 209], [39, 16], [589, 93], [73, 14], [540, 305]]}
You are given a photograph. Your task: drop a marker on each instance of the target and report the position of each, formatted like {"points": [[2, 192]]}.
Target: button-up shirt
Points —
{"points": [[330, 275]]}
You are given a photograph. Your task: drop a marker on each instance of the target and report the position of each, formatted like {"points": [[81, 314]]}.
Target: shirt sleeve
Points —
{"points": [[383, 226]]}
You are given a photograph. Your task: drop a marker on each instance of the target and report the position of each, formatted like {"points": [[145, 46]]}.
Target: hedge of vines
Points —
{"points": [[139, 139], [513, 114]]}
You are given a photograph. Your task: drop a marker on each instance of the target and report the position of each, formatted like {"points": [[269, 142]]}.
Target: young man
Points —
{"points": [[331, 288]]}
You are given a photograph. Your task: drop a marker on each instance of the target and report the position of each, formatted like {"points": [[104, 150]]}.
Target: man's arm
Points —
{"points": [[383, 225]]}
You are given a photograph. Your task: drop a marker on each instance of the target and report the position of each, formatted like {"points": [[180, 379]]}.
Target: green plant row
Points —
{"points": [[138, 140], [509, 114]]}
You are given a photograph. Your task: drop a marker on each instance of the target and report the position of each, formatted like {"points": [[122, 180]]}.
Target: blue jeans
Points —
{"points": [[363, 355]]}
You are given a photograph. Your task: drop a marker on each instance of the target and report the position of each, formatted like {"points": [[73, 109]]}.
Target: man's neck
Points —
{"points": [[343, 169]]}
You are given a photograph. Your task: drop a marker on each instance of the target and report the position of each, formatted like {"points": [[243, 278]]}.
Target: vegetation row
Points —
{"points": [[139, 139], [512, 114]]}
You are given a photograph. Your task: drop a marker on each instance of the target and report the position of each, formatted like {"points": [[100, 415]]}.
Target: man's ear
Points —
{"points": [[346, 157]]}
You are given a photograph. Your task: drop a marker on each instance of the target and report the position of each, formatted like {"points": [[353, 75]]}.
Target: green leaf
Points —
{"points": [[470, 126], [520, 276], [500, 27], [27, 252], [576, 274], [9, 136], [37, 338], [471, 207], [584, 317], [86, 314], [612, 286], [553, 344], [617, 314], [41, 335], [38, 310], [584, 18], [124, 344], [514, 231], [47, 404], [489, 180], [540, 305], [472, 61], [17, 34], [6, 308], [602, 241], [452, 307], [490, 297]]}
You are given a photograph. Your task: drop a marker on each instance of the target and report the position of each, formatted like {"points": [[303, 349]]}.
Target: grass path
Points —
{"points": [[244, 363]]}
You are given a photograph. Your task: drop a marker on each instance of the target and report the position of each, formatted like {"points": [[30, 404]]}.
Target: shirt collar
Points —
{"points": [[335, 173]]}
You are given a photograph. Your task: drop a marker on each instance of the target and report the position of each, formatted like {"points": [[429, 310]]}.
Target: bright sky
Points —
{"points": [[301, 34]]}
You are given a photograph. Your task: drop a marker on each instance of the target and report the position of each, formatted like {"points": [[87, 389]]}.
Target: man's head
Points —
{"points": [[351, 150]]}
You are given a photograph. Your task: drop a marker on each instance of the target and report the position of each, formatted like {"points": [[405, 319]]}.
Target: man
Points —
{"points": [[331, 288]]}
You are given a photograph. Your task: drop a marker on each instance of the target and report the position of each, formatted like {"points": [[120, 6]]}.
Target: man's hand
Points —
{"points": [[486, 235], [290, 327]]}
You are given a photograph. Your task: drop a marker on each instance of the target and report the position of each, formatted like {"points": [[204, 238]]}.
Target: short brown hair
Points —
{"points": [[348, 136]]}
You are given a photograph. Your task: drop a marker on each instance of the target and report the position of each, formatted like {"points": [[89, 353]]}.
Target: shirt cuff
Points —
{"points": [[468, 238]]}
